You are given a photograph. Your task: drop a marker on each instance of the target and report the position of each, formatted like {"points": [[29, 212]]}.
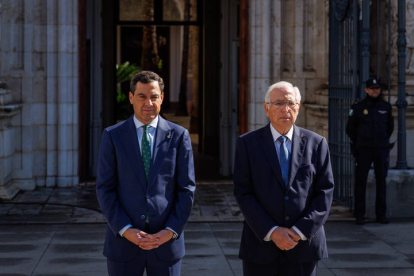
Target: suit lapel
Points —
{"points": [[131, 146], [298, 147], [268, 146], [162, 143]]}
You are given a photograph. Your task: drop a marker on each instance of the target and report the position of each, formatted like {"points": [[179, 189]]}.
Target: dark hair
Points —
{"points": [[145, 77]]}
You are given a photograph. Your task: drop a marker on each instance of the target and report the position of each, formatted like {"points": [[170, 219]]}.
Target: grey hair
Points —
{"points": [[282, 84], [297, 94]]}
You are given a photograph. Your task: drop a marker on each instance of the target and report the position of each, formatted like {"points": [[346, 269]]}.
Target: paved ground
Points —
{"points": [[60, 232]]}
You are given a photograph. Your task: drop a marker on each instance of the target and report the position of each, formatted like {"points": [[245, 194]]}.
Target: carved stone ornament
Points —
{"points": [[340, 8]]}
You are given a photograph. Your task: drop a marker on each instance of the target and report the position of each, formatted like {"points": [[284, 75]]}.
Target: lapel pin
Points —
{"points": [[168, 136]]}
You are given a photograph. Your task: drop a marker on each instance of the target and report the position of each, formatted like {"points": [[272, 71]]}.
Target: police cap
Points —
{"points": [[372, 82]]}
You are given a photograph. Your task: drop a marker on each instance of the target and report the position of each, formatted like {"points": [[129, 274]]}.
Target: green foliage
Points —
{"points": [[120, 97], [124, 72]]}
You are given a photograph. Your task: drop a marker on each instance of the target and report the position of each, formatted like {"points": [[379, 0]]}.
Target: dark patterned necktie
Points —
{"points": [[146, 151], [284, 159]]}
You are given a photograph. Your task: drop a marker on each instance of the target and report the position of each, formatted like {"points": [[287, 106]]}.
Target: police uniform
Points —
{"points": [[370, 125]]}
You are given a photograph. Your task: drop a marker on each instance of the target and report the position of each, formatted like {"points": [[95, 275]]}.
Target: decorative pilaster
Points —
{"points": [[264, 56], [67, 93], [62, 93]]}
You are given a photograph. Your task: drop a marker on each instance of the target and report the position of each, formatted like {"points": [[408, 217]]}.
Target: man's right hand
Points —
{"points": [[283, 238], [139, 238]]}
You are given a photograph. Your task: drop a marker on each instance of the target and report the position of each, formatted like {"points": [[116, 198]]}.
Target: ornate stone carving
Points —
{"points": [[409, 15], [409, 37], [340, 7]]}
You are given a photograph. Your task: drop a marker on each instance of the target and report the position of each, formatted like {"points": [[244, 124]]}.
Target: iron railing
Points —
{"points": [[343, 87]]}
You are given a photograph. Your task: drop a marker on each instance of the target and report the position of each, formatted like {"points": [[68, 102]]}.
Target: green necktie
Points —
{"points": [[146, 151]]}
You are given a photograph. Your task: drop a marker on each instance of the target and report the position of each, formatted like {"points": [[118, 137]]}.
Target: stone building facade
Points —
{"points": [[289, 41], [38, 95], [39, 80], [303, 59]]}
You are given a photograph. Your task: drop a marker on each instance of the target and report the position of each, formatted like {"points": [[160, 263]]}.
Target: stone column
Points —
{"points": [[407, 117], [63, 93], [312, 64], [264, 56]]}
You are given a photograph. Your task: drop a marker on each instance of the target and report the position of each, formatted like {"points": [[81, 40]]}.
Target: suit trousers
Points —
{"points": [[281, 267], [145, 260], [366, 156]]}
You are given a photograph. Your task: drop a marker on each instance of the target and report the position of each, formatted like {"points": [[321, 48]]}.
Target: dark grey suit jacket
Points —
{"points": [[265, 201], [125, 197]]}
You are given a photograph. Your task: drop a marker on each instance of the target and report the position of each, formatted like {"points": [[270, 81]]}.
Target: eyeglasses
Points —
{"points": [[280, 104]]}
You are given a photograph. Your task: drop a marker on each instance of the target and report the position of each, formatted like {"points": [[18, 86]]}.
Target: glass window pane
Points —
{"points": [[177, 10], [174, 52], [136, 10]]}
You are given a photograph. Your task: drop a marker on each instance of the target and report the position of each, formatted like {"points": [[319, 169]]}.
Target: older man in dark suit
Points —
{"points": [[145, 186], [283, 184]]}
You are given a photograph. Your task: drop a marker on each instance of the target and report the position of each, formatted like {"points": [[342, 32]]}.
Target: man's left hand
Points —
{"points": [[294, 235], [284, 238], [159, 238]]}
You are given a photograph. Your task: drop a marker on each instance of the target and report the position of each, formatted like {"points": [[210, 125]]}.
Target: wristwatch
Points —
{"points": [[174, 234]]}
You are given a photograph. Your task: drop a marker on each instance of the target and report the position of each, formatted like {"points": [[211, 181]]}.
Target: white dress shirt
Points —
{"points": [[288, 142], [151, 133]]}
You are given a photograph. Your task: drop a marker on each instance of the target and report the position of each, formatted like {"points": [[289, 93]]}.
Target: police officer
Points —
{"points": [[370, 125]]}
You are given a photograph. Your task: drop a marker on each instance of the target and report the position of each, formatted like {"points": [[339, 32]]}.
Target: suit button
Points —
{"points": [[148, 196], [286, 218], [142, 216], [286, 197]]}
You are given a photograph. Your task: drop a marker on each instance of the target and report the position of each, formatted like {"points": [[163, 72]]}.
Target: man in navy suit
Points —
{"points": [[283, 184], [145, 186]]}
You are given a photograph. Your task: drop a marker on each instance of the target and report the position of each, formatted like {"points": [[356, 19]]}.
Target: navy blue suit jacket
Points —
{"points": [[125, 198], [265, 201]]}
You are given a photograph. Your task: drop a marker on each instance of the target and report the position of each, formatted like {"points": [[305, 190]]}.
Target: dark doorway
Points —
{"points": [[187, 34]]}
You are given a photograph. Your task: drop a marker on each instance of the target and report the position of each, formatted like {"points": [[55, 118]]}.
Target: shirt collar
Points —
{"points": [[276, 133], [139, 124]]}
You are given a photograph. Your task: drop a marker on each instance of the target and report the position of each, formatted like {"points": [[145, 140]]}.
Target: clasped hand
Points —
{"points": [[147, 241], [285, 238]]}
